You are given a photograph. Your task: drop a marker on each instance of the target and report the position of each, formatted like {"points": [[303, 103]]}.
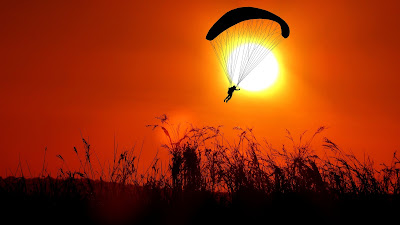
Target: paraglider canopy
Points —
{"points": [[243, 37], [241, 14]]}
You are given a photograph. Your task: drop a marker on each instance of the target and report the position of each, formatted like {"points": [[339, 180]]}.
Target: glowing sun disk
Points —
{"points": [[262, 76]]}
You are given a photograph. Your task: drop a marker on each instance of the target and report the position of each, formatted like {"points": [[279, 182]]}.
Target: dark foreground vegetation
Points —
{"points": [[211, 181]]}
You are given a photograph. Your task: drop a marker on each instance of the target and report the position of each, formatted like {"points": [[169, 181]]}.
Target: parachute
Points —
{"points": [[243, 37]]}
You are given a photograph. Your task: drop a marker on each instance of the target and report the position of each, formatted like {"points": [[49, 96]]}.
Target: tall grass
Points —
{"points": [[204, 166], [202, 159]]}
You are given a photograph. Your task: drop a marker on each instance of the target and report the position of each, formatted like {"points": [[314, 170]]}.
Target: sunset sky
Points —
{"points": [[105, 69]]}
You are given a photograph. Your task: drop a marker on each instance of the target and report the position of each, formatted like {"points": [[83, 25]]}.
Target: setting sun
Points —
{"points": [[262, 76]]}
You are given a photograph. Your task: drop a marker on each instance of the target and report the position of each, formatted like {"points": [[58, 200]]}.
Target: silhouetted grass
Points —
{"points": [[212, 180]]}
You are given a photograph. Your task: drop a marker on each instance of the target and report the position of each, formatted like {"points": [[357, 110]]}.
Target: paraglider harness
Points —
{"points": [[232, 89]]}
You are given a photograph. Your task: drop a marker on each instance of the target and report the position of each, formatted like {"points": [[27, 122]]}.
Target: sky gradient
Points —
{"points": [[102, 70]]}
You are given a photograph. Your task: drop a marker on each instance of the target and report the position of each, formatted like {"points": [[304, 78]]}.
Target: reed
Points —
{"points": [[209, 174]]}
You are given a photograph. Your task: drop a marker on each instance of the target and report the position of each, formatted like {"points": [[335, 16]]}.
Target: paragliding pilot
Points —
{"points": [[230, 93]]}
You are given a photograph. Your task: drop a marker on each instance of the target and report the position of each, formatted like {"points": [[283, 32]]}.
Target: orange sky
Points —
{"points": [[104, 69]]}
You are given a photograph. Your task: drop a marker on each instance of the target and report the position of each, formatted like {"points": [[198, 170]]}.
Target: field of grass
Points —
{"points": [[211, 181]]}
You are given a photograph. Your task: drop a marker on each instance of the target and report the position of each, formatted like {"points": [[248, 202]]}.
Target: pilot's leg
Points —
{"points": [[228, 98]]}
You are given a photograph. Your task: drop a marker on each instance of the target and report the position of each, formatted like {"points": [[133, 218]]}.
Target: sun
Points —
{"points": [[262, 76]]}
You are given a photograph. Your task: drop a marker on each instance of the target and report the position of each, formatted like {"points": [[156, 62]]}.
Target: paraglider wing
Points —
{"points": [[238, 15], [243, 37]]}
